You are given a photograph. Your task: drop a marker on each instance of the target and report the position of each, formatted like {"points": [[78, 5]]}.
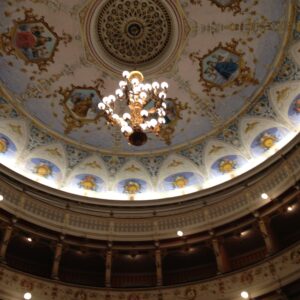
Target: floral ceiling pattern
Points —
{"points": [[233, 72]]}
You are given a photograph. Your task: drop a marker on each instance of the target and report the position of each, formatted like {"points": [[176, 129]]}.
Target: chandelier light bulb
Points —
{"points": [[245, 295], [164, 85], [119, 93], [164, 105], [161, 120], [112, 98], [143, 95], [144, 113], [126, 116], [143, 126], [101, 106], [148, 87], [135, 81], [136, 90], [122, 84], [125, 74], [27, 296], [153, 122], [123, 123], [155, 85], [162, 95], [128, 129]]}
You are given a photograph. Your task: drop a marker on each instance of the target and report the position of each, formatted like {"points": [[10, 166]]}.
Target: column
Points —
{"points": [[268, 235], [56, 261], [5, 241], [222, 259], [108, 264], [159, 279]]}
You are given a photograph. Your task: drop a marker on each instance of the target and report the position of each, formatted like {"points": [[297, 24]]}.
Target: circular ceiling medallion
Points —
{"points": [[134, 32], [145, 34]]}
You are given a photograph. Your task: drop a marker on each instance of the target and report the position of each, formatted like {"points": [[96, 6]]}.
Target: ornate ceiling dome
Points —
{"points": [[134, 32], [232, 68]]}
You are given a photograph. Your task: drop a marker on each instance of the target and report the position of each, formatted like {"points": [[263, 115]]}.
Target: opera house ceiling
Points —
{"points": [[233, 69]]}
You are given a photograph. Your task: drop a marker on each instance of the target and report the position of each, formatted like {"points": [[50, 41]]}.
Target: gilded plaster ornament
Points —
{"points": [[251, 126], [54, 152], [297, 106], [227, 166], [175, 163], [283, 94], [180, 182], [93, 165], [132, 188], [88, 183], [43, 170], [16, 128], [190, 294], [3, 145], [267, 141], [132, 169], [215, 149]]}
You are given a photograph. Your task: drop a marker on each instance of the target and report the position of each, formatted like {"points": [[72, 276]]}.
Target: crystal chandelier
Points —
{"points": [[143, 109]]}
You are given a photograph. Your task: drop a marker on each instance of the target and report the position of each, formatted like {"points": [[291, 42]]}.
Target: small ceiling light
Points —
{"points": [[27, 296], [179, 233], [29, 239], [1, 198], [264, 196], [245, 295], [290, 208], [243, 233]]}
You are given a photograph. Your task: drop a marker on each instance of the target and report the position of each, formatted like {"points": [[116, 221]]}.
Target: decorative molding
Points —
{"points": [[268, 276], [192, 216]]}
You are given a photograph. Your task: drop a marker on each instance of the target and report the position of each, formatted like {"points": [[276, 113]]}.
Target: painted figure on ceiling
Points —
{"points": [[171, 112], [31, 40], [223, 65], [82, 104]]}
